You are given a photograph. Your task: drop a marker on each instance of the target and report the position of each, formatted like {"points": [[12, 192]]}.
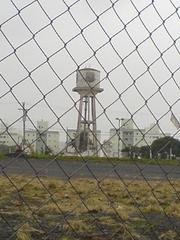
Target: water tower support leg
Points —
{"points": [[94, 125], [79, 123]]}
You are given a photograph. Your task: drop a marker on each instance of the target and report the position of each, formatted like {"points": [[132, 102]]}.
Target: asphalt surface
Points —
{"points": [[79, 169]]}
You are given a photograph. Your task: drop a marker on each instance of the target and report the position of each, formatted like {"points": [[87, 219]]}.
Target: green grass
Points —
{"points": [[83, 209], [172, 162], [1, 155], [41, 156]]}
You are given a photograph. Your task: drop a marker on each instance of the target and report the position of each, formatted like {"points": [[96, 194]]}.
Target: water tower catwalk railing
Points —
{"points": [[88, 86]]}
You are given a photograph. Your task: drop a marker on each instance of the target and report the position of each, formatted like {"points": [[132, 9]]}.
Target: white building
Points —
{"points": [[41, 136], [36, 140], [10, 137], [129, 136], [119, 139], [53, 141], [42, 140]]}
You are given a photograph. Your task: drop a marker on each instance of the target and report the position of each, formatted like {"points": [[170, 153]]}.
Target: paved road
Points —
{"points": [[74, 169]]}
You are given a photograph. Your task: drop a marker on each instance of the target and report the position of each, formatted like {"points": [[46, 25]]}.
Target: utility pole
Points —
{"points": [[170, 152], [119, 126], [150, 153], [24, 124]]}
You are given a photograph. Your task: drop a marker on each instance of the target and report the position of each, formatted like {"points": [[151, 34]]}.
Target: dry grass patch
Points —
{"points": [[84, 209]]}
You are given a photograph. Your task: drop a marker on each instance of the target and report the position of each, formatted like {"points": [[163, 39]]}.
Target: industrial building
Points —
{"points": [[10, 138], [126, 136], [42, 140]]}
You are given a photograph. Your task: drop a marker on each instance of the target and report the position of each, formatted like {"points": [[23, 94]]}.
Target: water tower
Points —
{"points": [[88, 86]]}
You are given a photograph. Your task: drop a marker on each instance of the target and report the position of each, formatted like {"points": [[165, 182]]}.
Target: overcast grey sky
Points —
{"points": [[121, 27]]}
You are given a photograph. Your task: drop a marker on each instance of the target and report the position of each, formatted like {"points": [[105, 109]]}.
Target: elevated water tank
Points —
{"points": [[88, 81]]}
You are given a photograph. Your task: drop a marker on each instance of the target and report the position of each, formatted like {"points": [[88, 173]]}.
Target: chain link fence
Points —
{"points": [[89, 139]]}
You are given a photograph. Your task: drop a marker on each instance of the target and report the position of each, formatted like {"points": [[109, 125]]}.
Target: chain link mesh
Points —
{"points": [[136, 47]]}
